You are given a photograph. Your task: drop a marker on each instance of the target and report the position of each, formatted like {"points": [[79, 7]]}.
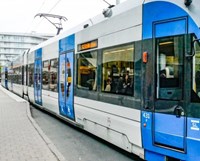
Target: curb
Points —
{"points": [[49, 143]]}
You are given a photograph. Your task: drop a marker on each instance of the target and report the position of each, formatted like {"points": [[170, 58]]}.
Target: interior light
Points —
{"points": [[166, 43]]}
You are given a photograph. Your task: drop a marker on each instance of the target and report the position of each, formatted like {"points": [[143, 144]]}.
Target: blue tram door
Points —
{"points": [[38, 77], [169, 119], [66, 93]]}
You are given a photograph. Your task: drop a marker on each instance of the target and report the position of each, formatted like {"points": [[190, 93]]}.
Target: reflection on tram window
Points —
{"points": [[196, 74], [170, 62], [118, 68], [53, 74], [30, 73], [17, 75], [45, 75], [87, 66], [49, 75]]}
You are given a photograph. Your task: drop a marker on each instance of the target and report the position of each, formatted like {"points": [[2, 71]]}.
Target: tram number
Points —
{"points": [[146, 115], [195, 125]]}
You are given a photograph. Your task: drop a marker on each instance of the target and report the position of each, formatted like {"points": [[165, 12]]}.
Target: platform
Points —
{"points": [[21, 139]]}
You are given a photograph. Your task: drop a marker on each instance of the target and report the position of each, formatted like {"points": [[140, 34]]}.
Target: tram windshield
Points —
{"points": [[196, 74]]}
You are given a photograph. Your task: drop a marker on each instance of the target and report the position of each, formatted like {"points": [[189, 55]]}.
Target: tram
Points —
{"points": [[130, 76], [4, 77]]}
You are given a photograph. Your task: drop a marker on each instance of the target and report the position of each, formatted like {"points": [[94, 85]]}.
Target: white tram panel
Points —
{"points": [[128, 29], [122, 28], [116, 124], [49, 98], [103, 119], [50, 51]]}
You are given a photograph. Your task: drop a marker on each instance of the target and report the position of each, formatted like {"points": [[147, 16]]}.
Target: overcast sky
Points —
{"points": [[18, 15]]}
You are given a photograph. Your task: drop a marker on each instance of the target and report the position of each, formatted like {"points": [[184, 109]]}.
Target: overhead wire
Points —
{"points": [[33, 17], [54, 5], [28, 28]]}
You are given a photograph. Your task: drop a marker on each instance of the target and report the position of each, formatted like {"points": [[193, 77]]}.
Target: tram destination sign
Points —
{"points": [[88, 45]]}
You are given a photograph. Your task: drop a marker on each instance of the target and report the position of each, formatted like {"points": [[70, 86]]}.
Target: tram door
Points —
{"points": [[66, 93], [169, 117], [38, 77]]}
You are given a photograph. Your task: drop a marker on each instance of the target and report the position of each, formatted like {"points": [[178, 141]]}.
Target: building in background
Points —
{"points": [[13, 44]]}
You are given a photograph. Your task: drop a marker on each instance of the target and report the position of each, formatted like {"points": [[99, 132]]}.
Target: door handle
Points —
{"points": [[179, 111]]}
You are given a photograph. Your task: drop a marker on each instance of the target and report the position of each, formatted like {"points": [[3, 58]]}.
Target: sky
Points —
{"points": [[19, 15]]}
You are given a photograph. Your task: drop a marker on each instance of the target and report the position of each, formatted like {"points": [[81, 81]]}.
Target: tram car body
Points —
{"points": [[4, 77], [131, 78]]}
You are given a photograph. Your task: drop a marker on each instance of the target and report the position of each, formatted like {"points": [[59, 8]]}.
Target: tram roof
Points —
{"points": [[193, 10], [118, 9]]}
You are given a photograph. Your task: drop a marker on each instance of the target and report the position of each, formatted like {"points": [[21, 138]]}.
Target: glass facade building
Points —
{"points": [[13, 44]]}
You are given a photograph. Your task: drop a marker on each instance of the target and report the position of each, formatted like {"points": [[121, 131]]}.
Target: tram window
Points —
{"points": [[170, 67], [45, 75], [17, 75], [53, 74], [30, 73], [14, 76], [196, 74], [87, 69], [118, 70]]}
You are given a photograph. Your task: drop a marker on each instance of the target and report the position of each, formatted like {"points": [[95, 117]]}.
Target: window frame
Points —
{"points": [[78, 72], [31, 69], [132, 102], [45, 86], [195, 97], [56, 83], [177, 92], [132, 86]]}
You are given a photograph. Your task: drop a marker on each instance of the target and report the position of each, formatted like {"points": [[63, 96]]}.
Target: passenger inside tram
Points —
{"points": [[118, 68]]}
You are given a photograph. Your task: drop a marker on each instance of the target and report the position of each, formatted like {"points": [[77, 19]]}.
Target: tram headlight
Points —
{"points": [[187, 2]]}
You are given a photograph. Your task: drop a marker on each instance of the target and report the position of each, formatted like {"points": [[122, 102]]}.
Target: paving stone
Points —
{"points": [[19, 140]]}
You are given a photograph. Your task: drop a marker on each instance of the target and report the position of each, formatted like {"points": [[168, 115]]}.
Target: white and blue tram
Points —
{"points": [[131, 78]]}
